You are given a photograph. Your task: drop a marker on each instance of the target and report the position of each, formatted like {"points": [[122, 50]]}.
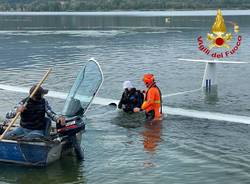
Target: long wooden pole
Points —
{"points": [[30, 96]]}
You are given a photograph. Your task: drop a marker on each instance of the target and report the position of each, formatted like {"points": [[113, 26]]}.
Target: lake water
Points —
{"points": [[121, 148]]}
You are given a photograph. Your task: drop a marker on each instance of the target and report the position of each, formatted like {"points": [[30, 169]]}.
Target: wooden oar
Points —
{"points": [[30, 96]]}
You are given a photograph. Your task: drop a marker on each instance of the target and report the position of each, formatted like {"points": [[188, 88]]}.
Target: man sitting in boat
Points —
{"points": [[131, 98], [33, 122]]}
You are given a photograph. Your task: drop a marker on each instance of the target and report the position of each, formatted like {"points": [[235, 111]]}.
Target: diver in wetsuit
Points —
{"points": [[131, 98]]}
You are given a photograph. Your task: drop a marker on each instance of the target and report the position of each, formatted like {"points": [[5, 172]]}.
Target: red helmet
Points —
{"points": [[148, 78]]}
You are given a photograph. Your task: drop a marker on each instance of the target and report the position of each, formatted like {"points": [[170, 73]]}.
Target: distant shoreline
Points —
{"points": [[131, 13], [121, 5]]}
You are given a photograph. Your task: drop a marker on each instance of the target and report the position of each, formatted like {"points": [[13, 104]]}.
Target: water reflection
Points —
{"points": [[58, 172], [151, 129], [129, 120], [211, 95], [152, 135]]}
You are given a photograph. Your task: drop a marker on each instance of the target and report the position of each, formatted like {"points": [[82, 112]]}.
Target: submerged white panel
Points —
{"points": [[213, 61], [207, 115], [53, 94], [167, 110]]}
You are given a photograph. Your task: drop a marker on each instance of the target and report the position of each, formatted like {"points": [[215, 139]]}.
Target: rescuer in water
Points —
{"points": [[152, 102]]}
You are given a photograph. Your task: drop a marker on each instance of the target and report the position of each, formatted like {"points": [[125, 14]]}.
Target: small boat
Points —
{"points": [[62, 140]]}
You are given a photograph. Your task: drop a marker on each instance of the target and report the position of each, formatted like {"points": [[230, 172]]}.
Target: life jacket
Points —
{"points": [[33, 117], [140, 98], [153, 102]]}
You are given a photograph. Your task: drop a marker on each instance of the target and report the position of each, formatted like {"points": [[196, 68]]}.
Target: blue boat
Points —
{"points": [[62, 140], [29, 153]]}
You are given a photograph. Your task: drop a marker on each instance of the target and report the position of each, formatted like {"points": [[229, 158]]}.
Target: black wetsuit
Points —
{"points": [[130, 100]]}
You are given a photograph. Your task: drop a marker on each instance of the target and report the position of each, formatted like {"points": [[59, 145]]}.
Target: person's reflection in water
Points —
{"points": [[66, 170], [151, 139], [152, 135]]}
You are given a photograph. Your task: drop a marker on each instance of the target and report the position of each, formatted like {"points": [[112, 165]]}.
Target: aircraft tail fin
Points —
{"points": [[209, 80]]}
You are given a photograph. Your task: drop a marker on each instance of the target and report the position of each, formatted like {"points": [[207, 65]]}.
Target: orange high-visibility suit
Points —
{"points": [[152, 102]]}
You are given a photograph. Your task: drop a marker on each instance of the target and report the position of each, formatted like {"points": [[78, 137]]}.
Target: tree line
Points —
{"points": [[109, 5]]}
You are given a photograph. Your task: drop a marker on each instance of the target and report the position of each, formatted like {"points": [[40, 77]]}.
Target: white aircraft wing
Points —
{"points": [[167, 110], [212, 61]]}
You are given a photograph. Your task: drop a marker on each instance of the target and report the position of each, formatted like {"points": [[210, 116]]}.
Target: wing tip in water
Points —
{"points": [[167, 110], [212, 61]]}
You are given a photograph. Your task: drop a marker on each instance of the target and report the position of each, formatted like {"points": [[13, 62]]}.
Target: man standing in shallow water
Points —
{"points": [[153, 102]]}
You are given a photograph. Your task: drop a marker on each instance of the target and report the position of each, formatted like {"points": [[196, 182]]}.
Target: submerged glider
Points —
{"points": [[166, 109]]}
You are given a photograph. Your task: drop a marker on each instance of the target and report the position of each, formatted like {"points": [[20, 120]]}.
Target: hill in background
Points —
{"points": [[109, 5]]}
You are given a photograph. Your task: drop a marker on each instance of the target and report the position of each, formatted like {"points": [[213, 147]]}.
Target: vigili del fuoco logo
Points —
{"points": [[221, 43]]}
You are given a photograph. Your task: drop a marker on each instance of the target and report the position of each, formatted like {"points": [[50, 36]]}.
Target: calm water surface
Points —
{"points": [[120, 148]]}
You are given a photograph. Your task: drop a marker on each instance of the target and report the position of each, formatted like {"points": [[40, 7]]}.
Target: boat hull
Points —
{"points": [[29, 153], [35, 153]]}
